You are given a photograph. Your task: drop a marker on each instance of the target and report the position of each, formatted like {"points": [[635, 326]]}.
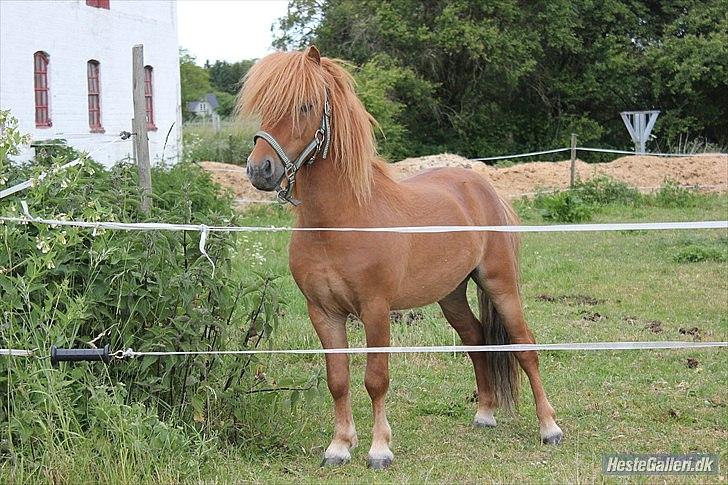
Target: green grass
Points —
{"points": [[576, 287], [635, 401]]}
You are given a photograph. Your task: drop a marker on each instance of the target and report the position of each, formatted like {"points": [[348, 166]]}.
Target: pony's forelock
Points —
{"points": [[280, 83]]}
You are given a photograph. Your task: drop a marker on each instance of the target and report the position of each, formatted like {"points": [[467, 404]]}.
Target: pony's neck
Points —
{"points": [[326, 199]]}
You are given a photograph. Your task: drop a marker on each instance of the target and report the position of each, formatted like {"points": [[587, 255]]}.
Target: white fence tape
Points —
{"points": [[598, 150], [585, 346], [163, 226]]}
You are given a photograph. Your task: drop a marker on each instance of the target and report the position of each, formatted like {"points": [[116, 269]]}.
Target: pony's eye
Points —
{"points": [[306, 108]]}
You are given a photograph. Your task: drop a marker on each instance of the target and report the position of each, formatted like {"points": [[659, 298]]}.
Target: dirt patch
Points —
{"points": [[592, 316], [570, 299], [409, 317], [692, 363], [654, 326], [692, 331], [708, 171]]}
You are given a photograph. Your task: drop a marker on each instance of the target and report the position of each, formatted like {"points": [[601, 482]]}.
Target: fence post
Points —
{"points": [[139, 125], [573, 160]]}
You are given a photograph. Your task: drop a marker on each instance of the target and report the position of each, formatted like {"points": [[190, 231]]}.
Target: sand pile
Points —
{"points": [[647, 172]]}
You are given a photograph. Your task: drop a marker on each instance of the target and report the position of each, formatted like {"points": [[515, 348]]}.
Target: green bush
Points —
{"points": [[153, 290], [232, 143], [671, 194], [606, 190], [697, 254], [563, 207]]}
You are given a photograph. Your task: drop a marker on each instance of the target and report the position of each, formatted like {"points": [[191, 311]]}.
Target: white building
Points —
{"points": [[66, 72]]}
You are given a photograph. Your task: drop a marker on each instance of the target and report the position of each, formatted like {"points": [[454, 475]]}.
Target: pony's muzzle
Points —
{"points": [[264, 175]]}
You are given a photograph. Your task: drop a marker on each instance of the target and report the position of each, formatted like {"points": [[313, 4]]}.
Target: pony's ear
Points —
{"points": [[313, 53]]}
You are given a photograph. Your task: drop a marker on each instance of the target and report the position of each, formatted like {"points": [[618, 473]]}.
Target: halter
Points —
{"points": [[319, 144]]}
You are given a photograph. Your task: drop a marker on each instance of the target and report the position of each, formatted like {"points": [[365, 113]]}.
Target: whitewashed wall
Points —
{"points": [[72, 33]]}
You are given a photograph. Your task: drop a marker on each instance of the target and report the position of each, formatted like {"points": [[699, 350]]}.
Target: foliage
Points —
{"points": [[226, 77], [564, 207], [671, 194], [231, 144], [148, 290], [510, 76], [589, 197], [697, 253], [606, 190]]}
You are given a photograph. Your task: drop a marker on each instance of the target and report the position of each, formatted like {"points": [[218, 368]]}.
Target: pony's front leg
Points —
{"points": [[376, 324], [331, 330]]}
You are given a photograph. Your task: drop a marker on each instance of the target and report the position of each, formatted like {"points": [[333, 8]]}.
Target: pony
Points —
{"points": [[317, 148]]}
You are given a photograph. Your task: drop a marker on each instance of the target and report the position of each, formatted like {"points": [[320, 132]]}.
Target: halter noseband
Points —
{"points": [[319, 145]]}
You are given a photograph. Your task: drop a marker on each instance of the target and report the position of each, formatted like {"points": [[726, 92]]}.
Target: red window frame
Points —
{"points": [[149, 96], [94, 96], [98, 4], [42, 90]]}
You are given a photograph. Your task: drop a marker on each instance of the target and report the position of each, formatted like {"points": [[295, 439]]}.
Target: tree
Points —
{"points": [[194, 80], [226, 76], [507, 75]]}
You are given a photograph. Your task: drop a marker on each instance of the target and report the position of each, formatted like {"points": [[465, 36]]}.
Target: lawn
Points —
{"points": [[576, 288]]}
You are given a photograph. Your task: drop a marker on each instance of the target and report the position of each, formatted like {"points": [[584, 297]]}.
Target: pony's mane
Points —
{"points": [[280, 83]]}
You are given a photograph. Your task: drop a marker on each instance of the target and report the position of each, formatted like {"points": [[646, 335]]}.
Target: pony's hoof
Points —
{"points": [[483, 423], [334, 461], [554, 439], [378, 463]]}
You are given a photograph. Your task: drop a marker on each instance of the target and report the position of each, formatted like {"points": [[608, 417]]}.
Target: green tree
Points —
{"points": [[194, 80], [226, 76], [508, 75]]}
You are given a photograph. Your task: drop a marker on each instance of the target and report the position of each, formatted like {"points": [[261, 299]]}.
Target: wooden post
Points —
{"points": [[139, 125], [573, 160]]}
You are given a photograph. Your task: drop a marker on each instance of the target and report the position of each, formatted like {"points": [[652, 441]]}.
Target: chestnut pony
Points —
{"points": [[317, 133]]}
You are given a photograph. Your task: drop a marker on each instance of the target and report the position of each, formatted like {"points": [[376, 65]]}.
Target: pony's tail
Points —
{"points": [[501, 367]]}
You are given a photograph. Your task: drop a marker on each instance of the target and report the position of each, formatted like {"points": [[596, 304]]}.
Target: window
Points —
{"points": [[94, 97], [42, 113], [98, 3], [148, 96]]}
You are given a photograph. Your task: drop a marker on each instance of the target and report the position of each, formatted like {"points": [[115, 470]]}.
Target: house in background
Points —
{"points": [[66, 72], [205, 107]]}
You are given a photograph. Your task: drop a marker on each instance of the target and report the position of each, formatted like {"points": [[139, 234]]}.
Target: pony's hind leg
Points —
{"points": [[331, 331], [498, 277], [458, 313]]}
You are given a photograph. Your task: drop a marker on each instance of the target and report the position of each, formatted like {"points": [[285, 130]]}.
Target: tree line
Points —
{"points": [[480, 77]]}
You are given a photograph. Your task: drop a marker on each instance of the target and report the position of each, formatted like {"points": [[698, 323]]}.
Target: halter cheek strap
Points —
{"points": [[318, 146]]}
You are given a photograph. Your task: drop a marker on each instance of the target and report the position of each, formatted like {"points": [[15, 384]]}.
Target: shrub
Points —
{"points": [[232, 143], [563, 207], [606, 190], [671, 194], [695, 253], [152, 290]]}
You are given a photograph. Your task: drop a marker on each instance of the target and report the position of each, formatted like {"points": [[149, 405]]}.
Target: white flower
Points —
{"points": [[42, 244], [50, 264]]}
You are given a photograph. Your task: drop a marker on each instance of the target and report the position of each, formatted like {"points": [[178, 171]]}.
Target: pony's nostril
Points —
{"points": [[267, 168]]}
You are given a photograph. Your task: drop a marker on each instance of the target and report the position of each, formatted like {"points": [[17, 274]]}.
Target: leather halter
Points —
{"points": [[319, 145]]}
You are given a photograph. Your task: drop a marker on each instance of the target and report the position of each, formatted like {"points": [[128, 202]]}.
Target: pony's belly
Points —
{"points": [[435, 272]]}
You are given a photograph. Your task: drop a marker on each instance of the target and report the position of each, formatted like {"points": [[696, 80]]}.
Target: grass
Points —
{"points": [[576, 287]]}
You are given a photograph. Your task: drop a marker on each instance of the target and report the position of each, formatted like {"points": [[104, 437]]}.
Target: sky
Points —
{"points": [[227, 30]]}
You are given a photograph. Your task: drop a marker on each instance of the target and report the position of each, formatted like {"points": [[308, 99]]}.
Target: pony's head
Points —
{"points": [[287, 92]]}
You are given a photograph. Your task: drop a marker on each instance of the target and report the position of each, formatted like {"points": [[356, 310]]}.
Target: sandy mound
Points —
{"points": [[710, 172], [646, 172]]}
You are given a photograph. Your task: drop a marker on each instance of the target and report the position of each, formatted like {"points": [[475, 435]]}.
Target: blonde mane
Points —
{"points": [[279, 84]]}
